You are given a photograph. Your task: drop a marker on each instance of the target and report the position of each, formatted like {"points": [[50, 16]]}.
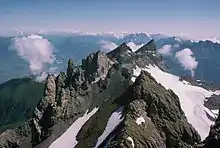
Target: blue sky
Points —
{"points": [[196, 18]]}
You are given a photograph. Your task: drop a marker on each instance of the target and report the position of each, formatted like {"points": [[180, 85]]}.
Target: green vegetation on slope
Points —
{"points": [[18, 98]]}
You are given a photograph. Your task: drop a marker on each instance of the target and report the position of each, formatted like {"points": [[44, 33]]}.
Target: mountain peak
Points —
{"points": [[150, 46], [96, 65], [122, 51], [123, 47]]}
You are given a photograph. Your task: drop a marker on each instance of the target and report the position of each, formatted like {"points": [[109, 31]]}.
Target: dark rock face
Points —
{"points": [[150, 46], [162, 121], [96, 65], [121, 54]]}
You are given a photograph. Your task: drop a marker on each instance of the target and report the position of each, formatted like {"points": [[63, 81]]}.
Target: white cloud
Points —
{"points": [[41, 77], [107, 46], [166, 50], [134, 46], [36, 50], [187, 60]]}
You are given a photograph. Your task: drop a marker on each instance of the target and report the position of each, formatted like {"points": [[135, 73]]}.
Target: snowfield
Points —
{"points": [[114, 120], [191, 98], [68, 139]]}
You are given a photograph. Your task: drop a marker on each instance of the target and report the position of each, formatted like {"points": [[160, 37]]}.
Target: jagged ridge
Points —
{"points": [[104, 81]]}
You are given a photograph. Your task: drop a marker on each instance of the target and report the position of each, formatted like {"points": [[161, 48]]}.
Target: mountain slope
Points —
{"points": [[118, 99], [152, 118], [18, 98]]}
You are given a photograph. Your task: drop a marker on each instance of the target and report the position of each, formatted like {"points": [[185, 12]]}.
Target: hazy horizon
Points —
{"points": [[194, 19]]}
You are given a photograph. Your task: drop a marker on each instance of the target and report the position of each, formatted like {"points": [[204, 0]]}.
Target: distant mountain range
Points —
{"points": [[78, 45]]}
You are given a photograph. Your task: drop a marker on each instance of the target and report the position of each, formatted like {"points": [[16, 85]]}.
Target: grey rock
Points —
{"points": [[165, 124], [121, 54], [96, 66]]}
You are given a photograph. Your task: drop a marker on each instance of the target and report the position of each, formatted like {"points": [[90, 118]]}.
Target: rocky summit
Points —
{"points": [[105, 102]]}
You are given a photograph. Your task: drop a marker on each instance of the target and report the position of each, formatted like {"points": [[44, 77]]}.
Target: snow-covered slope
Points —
{"points": [[191, 98], [68, 139], [114, 120]]}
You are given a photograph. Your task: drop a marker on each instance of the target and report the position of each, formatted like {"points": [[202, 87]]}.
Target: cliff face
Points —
{"points": [[152, 117], [69, 95]]}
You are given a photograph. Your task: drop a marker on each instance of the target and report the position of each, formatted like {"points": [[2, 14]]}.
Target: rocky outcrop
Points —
{"points": [[153, 118], [149, 47], [68, 96], [121, 54], [96, 66], [42, 119]]}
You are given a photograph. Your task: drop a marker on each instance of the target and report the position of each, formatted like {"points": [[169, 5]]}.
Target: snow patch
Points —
{"points": [[134, 46], [215, 111], [132, 141], [177, 39], [213, 115], [191, 98], [217, 92], [136, 73], [68, 139], [140, 120], [114, 120]]}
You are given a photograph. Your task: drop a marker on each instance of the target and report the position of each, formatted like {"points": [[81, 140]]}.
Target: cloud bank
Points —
{"points": [[36, 50], [187, 60], [166, 50]]}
